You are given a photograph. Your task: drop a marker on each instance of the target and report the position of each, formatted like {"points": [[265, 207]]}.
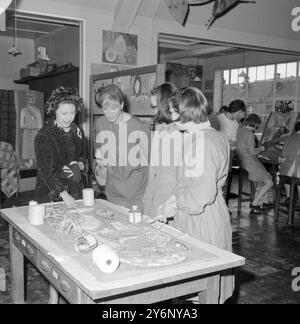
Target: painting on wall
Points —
{"points": [[119, 48], [138, 88], [183, 75], [30, 112], [278, 126]]}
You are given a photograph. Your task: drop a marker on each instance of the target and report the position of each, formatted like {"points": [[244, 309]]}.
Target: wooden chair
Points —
{"points": [[293, 183]]}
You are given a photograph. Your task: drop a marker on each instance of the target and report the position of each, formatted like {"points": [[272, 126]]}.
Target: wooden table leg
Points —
{"points": [[212, 293], [17, 271]]}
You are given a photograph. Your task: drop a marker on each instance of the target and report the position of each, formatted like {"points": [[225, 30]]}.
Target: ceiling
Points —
{"points": [[32, 26], [174, 47]]}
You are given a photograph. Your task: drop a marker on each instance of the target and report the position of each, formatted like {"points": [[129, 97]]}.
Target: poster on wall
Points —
{"points": [[119, 48], [30, 112]]}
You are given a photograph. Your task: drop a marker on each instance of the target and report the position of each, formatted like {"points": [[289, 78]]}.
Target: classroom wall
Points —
{"points": [[147, 28]]}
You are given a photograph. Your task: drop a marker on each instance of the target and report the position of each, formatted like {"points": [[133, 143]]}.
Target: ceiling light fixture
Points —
{"points": [[243, 74], [14, 49]]}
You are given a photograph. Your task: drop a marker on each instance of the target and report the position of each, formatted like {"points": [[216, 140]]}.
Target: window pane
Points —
{"points": [[234, 76], [281, 71], [270, 71], [226, 77], [252, 74], [291, 70], [261, 73]]}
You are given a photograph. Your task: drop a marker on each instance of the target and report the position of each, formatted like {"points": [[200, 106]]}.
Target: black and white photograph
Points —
{"points": [[149, 155]]}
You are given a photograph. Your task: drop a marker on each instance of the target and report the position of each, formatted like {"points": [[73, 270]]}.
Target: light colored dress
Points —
{"points": [[202, 211], [247, 155], [162, 178]]}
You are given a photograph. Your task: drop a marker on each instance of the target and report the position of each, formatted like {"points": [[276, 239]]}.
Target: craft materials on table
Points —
{"points": [[106, 259], [112, 237], [36, 213], [88, 197]]}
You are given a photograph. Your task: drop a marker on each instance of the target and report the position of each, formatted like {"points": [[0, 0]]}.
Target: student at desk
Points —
{"points": [[230, 118], [247, 153]]}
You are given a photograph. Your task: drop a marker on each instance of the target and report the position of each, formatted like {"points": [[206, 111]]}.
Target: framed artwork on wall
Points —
{"points": [[119, 48], [29, 107]]}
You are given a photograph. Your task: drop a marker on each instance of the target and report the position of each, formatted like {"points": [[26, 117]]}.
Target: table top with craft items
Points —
{"points": [[98, 255]]}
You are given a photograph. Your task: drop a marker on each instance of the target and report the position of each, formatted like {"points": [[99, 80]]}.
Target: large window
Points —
{"points": [[264, 87]]}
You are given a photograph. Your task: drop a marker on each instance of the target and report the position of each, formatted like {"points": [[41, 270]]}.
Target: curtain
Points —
{"points": [[7, 117]]}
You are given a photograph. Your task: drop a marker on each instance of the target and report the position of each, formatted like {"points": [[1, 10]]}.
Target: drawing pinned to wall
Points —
{"points": [[119, 48], [139, 93], [30, 109]]}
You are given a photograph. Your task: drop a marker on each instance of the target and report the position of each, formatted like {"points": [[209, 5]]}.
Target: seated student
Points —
{"points": [[230, 118], [247, 154], [290, 157]]}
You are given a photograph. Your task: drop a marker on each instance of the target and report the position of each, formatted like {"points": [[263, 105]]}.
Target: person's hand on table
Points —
{"points": [[168, 209], [68, 199]]}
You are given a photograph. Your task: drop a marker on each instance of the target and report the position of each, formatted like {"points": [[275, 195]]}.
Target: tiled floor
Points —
{"points": [[272, 251]]}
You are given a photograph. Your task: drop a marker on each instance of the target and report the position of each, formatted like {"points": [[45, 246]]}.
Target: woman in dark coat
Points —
{"points": [[59, 149]]}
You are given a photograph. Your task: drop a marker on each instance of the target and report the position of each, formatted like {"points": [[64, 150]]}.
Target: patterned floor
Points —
{"points": [[272, 251]]}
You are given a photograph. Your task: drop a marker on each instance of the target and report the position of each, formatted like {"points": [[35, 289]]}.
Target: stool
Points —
{"points": [[293, 182], [242, 173]]}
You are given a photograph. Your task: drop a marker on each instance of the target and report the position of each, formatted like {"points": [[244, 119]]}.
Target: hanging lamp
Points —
{"points": [[14, 49]]}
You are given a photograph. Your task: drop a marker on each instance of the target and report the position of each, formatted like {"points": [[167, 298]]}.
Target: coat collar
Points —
{"points": [[192, 127]]}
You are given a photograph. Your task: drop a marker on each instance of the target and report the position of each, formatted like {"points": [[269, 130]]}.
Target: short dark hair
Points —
{"points": [[297, 126], [193, 106], [222, 109], [236, 106], [252, 120], [111, 92]]}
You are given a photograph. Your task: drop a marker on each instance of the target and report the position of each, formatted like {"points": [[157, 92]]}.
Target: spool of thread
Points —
{"points": [[106, 259], [88, 197], [36, 215]]}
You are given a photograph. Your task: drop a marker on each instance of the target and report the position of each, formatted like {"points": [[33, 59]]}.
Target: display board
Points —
{"points": [[278, 126], [136, 84]]}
